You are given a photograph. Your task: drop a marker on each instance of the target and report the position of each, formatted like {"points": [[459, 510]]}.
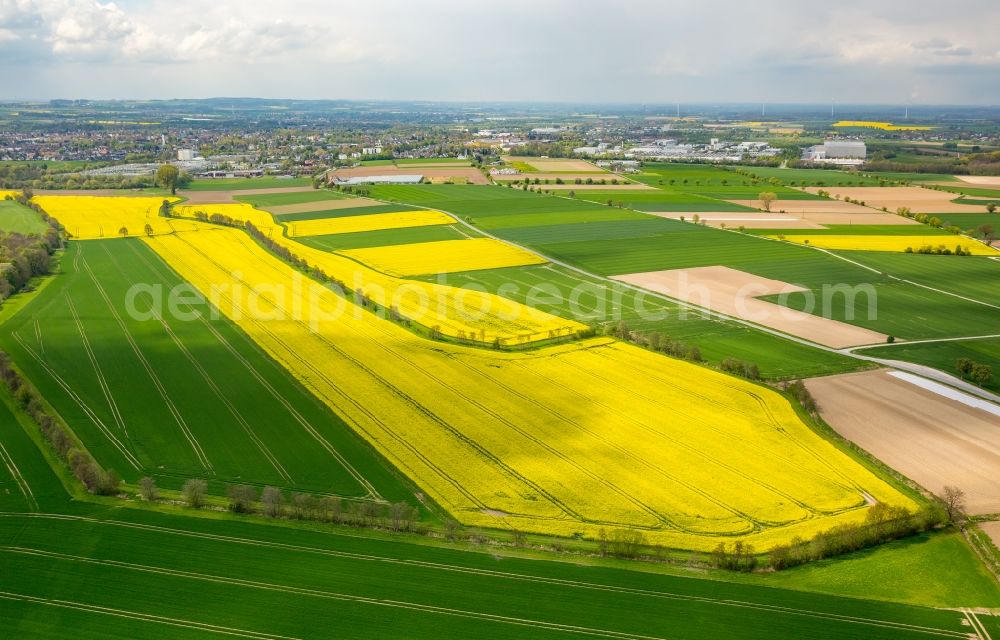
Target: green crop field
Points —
{"points": [[813, 177], [341, 213], [385, 237], [648, 243], [902, 176], [974, 277], [235, 184], [179, 397], [107, 570], [713, 182], [14, 216]]}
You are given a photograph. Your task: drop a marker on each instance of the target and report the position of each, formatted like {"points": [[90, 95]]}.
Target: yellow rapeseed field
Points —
{"points": [[369, 222], [445, 256], [8, 193], [454, 312], [239, 211], [92, 217], [563, 440], [884, 126], [893, 243]]}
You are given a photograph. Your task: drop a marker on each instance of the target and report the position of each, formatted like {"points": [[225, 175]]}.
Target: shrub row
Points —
{"points": [[86, 470]]}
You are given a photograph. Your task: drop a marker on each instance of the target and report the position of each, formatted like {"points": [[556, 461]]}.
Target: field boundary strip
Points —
{"points": [[492, 573]]}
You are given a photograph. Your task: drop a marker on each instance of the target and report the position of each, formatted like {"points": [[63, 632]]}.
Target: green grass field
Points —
{"points": [[16, 217], [928, 569], [234, 184], [179, 398]]}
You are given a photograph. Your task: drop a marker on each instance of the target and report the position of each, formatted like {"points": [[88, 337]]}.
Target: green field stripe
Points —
{"points": [[673, 596]]}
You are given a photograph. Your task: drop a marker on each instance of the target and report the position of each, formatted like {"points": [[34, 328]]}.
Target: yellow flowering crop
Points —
{"points": [[369, 222], [237, 211], [8, 193], [445, 256], [884, 126], [893, 243], [562, 440], [454, 312], [91, 217]]}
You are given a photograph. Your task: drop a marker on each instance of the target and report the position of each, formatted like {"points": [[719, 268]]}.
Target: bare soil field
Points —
{"points": [[986, 182], [470, 174], [226, 197], [556, 164], [933, 440], [736, 293], [809, 206], [323, 205], [917, 199], [992, 529], [733, 220]]}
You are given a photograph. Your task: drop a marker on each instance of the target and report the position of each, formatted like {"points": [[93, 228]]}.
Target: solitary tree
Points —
{"points": [[987, 234], [147, 489], [954, 503], [991, 207], [123, 232], [165, 209], [148, 229], [166, 177], [766, 198], [194, 491]]}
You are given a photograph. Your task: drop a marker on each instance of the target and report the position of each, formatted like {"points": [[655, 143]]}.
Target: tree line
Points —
{"points": [[981, 374], [24, 256], [273, 503], [87, 471]]}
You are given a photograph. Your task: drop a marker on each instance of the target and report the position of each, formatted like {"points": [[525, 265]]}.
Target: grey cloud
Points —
{"points": [[584, 50]]}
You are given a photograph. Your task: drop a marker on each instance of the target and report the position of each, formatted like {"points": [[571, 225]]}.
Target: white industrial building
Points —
{"points": [[838, 152], [394, 179]]}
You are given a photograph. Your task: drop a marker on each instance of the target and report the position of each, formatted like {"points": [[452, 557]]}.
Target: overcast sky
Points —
{"points": [[884, 51]]}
